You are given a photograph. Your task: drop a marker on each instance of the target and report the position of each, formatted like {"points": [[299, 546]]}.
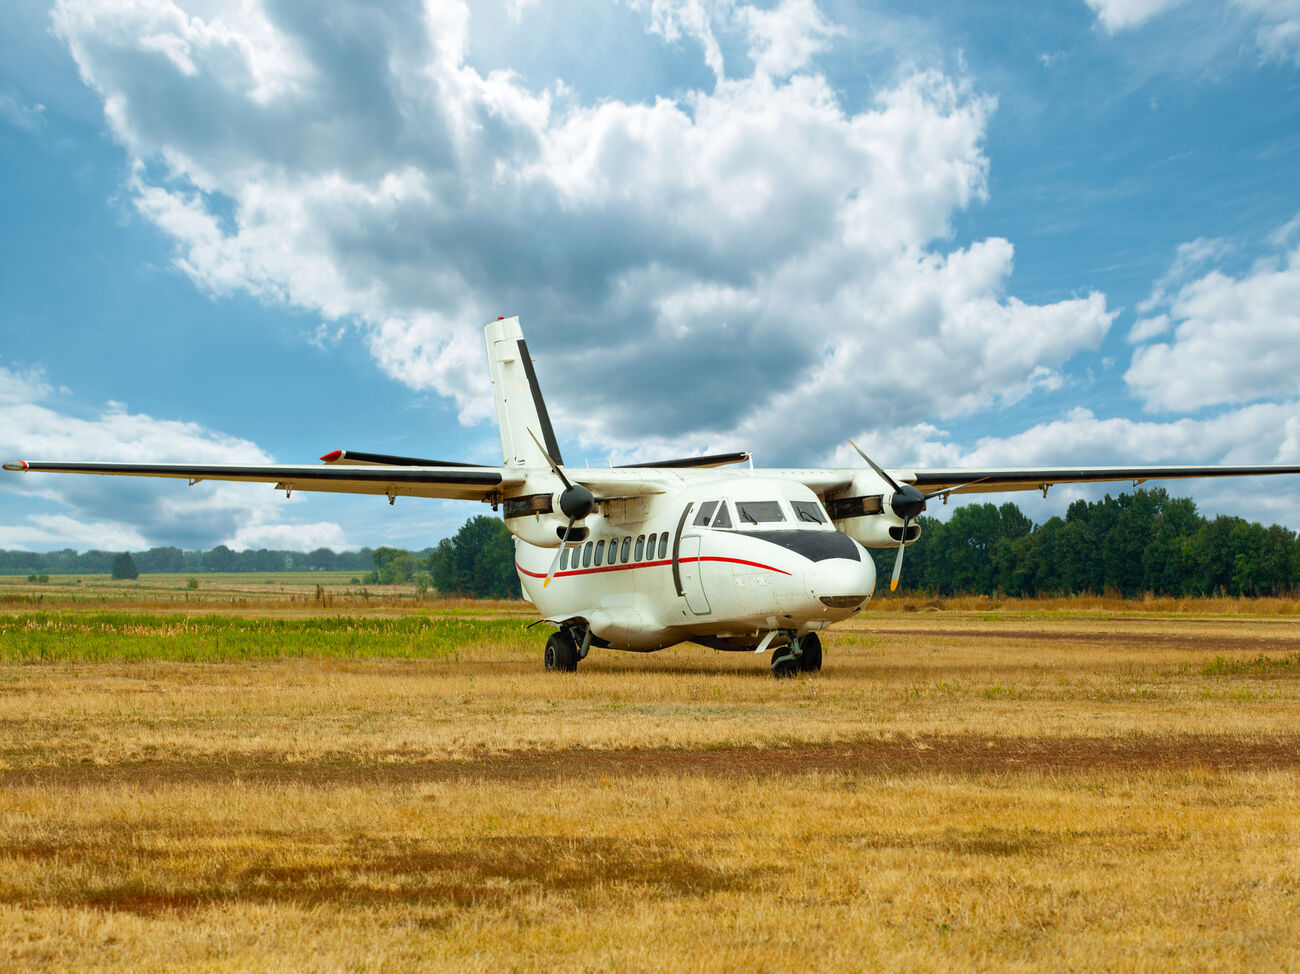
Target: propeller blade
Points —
{"points": [[898, 561], [872, 463], [555, 563], [554, 466]]}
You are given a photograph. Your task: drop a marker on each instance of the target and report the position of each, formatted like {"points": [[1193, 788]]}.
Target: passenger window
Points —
{"points": [[809, 511], [600, 552], [723, 520], [640, 547], [650, 547], [586, 554], [564, 558], [759, 512], [706, 512], [663, 546], [627, 550]]}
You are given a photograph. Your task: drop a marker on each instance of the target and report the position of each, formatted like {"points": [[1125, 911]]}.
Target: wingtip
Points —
{"points": [[333, 456], [16, 465]]}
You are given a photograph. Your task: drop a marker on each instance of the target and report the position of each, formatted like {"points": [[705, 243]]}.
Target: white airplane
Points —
{"points": [[645, 556]]}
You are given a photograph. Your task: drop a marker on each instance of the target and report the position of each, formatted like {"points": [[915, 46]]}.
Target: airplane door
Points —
{"points": [[692, 577]]}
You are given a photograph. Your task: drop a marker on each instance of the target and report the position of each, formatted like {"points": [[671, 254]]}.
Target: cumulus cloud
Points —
{"points": [[1233, 340], [704, 261], [114, 512]]}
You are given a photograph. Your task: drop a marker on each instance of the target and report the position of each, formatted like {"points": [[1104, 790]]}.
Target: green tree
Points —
{"points": [[478, 561], [124, 566]]}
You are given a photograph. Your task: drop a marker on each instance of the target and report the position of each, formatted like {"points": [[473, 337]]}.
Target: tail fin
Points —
{"points": [[518, 397]]}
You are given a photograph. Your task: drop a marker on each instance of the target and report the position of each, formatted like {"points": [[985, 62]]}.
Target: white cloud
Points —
{"points": [[48, 532], [1119, 14], [1276, 23], [784, 39], [116, 512], [729, 252], [1234, 338]]}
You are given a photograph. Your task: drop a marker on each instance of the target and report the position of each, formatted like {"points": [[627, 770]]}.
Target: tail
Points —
{"points": [[518, 397]]}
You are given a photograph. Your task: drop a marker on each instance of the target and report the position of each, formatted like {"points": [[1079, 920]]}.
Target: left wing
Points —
{"points": [[837, 481], [995, 479], [453, 482]]}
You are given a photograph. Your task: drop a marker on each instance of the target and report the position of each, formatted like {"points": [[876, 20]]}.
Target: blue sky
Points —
{"points": [[1004, 233]]}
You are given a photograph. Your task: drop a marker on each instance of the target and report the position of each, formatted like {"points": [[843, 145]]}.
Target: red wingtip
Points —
{"points": [[16, 465], [333, 456]]}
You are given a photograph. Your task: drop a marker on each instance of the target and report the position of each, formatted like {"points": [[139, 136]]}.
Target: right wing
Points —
{"points": [[453, 482]]}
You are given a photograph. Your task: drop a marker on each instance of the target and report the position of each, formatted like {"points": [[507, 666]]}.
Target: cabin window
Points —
{"points": [[586, 555], [663, 546], [808, 511], [600, 552], [706, 512], [564, 558], [723, 520], [650, 547], [627, 550], [640, 547]]}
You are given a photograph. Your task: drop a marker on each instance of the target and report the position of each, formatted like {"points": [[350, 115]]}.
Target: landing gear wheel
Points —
{"points": [[785, 663], [810, 661], [561, 653]]}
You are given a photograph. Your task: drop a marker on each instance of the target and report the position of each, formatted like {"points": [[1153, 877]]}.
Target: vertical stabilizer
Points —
{"points": [[518, 397]]}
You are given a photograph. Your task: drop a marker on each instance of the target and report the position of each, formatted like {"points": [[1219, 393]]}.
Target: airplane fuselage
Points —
{"points": [[722, 562]]}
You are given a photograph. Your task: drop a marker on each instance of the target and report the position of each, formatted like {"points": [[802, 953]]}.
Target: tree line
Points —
{"points": [[175, 561], [1139, 542]]}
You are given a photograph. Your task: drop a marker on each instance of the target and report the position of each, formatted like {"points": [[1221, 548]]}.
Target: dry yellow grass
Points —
{"points": [[1041, 786]]}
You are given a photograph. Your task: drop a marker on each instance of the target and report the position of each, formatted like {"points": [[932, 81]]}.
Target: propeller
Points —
{"points": [[576, 501], [907, 502]]}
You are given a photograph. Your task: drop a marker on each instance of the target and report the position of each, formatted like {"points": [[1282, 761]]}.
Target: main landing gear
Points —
{"points": [[564, 650], [803, 654]]}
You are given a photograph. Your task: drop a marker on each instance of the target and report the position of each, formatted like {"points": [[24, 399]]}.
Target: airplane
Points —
{"points": [[644, 556]]}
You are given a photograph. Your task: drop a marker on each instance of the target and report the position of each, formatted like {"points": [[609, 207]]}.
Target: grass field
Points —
{"points": [[308, 780]]}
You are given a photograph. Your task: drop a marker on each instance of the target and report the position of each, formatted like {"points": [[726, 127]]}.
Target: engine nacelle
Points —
{"points": [[878, 530], [536, 519], [863, 512]]}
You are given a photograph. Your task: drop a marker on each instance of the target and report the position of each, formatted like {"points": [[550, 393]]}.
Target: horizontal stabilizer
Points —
{"points": [[387, 459], [714, 460]]}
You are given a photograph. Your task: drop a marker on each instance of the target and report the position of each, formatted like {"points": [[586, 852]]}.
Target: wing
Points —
{"points": [[455, 482], [837, 481], [996, 479]]}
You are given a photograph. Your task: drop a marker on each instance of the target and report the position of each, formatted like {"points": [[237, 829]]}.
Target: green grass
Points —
{"points": [[1254, 666], [131, 637]]}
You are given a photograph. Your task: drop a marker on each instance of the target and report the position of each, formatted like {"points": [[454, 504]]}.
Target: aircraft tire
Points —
{"points": [[561, 652], [810, 661], [784, 665]]}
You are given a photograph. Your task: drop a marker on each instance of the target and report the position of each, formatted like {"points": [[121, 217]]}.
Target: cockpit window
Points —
{"points": [[759, 512], [706, 512], [808, 511], [723, 520]]}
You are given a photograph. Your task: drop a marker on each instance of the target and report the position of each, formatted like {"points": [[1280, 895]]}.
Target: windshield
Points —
{"points": [[759, 512], [809, 511]]}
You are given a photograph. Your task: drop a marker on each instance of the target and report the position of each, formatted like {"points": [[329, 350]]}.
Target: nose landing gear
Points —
{"points": [[803, 654]]}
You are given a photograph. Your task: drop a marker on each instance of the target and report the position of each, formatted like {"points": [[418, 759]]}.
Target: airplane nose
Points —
{"points": [[838, 583]]}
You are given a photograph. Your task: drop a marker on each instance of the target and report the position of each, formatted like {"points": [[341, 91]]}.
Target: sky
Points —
{"points": [[961, 234]]}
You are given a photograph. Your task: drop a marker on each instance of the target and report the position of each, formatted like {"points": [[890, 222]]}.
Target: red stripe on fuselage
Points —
{"points": [[648, 564]]}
